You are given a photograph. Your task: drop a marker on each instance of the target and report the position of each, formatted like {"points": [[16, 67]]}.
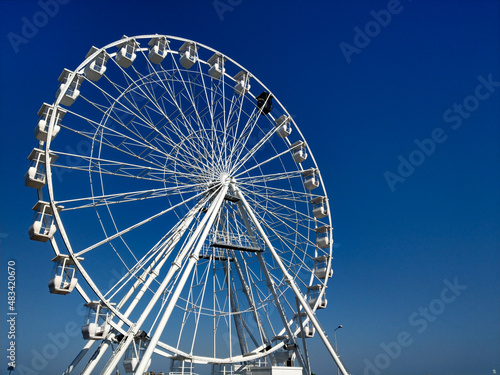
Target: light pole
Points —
{"points": [[335, 335]]}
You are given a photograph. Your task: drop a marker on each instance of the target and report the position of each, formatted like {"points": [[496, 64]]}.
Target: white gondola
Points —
{"points": [[126, 53], [307, 331], [242, 82], [314, 294], [321, 269], [135, 352], [189, 54], [35, 176], [70, 88], [43, 227], [158, 49], [63, 279], [97, 326], [45, 114], [311, 180], [323, 236], [284, 126], [216, 63], [96, 68], [320, 209], [299, 151]]}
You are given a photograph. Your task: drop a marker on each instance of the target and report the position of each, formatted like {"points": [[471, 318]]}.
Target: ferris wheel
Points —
{"points": [[186, 208]]}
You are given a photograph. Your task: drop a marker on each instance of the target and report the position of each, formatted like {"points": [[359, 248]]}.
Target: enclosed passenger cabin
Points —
{"points": [[97, 326], [320, 209], [324, 236], [216, 63], [126, 55], [96, 68], [311, 180], [242, 85], [158, 49], [46, 113], [189, 54], [304, 325], [307, 331], [135, 352], [43, 227], [322, 268], [316, 293], [35, 176], [299, 152], [264, 103], [63, 279], [284, 126], [69, 87]]}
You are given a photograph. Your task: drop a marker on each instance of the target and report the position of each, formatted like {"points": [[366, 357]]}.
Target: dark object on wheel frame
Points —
{"points": [[264, 103]]}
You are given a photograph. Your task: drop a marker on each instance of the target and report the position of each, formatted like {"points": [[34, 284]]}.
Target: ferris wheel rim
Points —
{"points": [[50, 187]]}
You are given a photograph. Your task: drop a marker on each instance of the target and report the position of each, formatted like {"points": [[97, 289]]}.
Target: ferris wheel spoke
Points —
{"points": [[211, 106], [263, 178], [292, 214], [126, 197], [137, 225], [146, 119], [285, 194], [246, 134], [281, 220], [119, 107], [91, 164], [183, 93], [236, 169], [138, 141], [230, 125]]}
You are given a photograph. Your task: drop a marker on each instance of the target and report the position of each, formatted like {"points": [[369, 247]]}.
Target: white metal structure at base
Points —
{"points": [[210, 212]]}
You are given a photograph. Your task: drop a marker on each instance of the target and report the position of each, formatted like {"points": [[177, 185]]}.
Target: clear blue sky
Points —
{"points": [[429, 76]]}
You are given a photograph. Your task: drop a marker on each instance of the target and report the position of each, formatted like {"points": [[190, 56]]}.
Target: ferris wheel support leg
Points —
{"points": [[152, 275], [269, 282], [79, 357], [126, 341], [304, 344], [293, 285], [193, 258], [235, 310], [251, 303]]}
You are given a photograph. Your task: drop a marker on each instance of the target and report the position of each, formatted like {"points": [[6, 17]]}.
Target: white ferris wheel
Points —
{"points": [[167, 163]]}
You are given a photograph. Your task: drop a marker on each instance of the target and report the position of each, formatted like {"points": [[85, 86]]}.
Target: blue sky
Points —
{"points": [[404, 232]]}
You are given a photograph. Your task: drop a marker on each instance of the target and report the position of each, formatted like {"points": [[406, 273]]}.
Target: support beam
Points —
{"points": [[79, 357], [212, 213], [291, 282], [127, 340]]}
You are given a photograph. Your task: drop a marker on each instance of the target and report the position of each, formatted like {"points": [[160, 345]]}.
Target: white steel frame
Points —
{"points": [[215, 165]]}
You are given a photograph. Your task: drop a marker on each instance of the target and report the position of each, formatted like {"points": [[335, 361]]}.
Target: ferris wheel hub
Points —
{"points": [[225, 178]]}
